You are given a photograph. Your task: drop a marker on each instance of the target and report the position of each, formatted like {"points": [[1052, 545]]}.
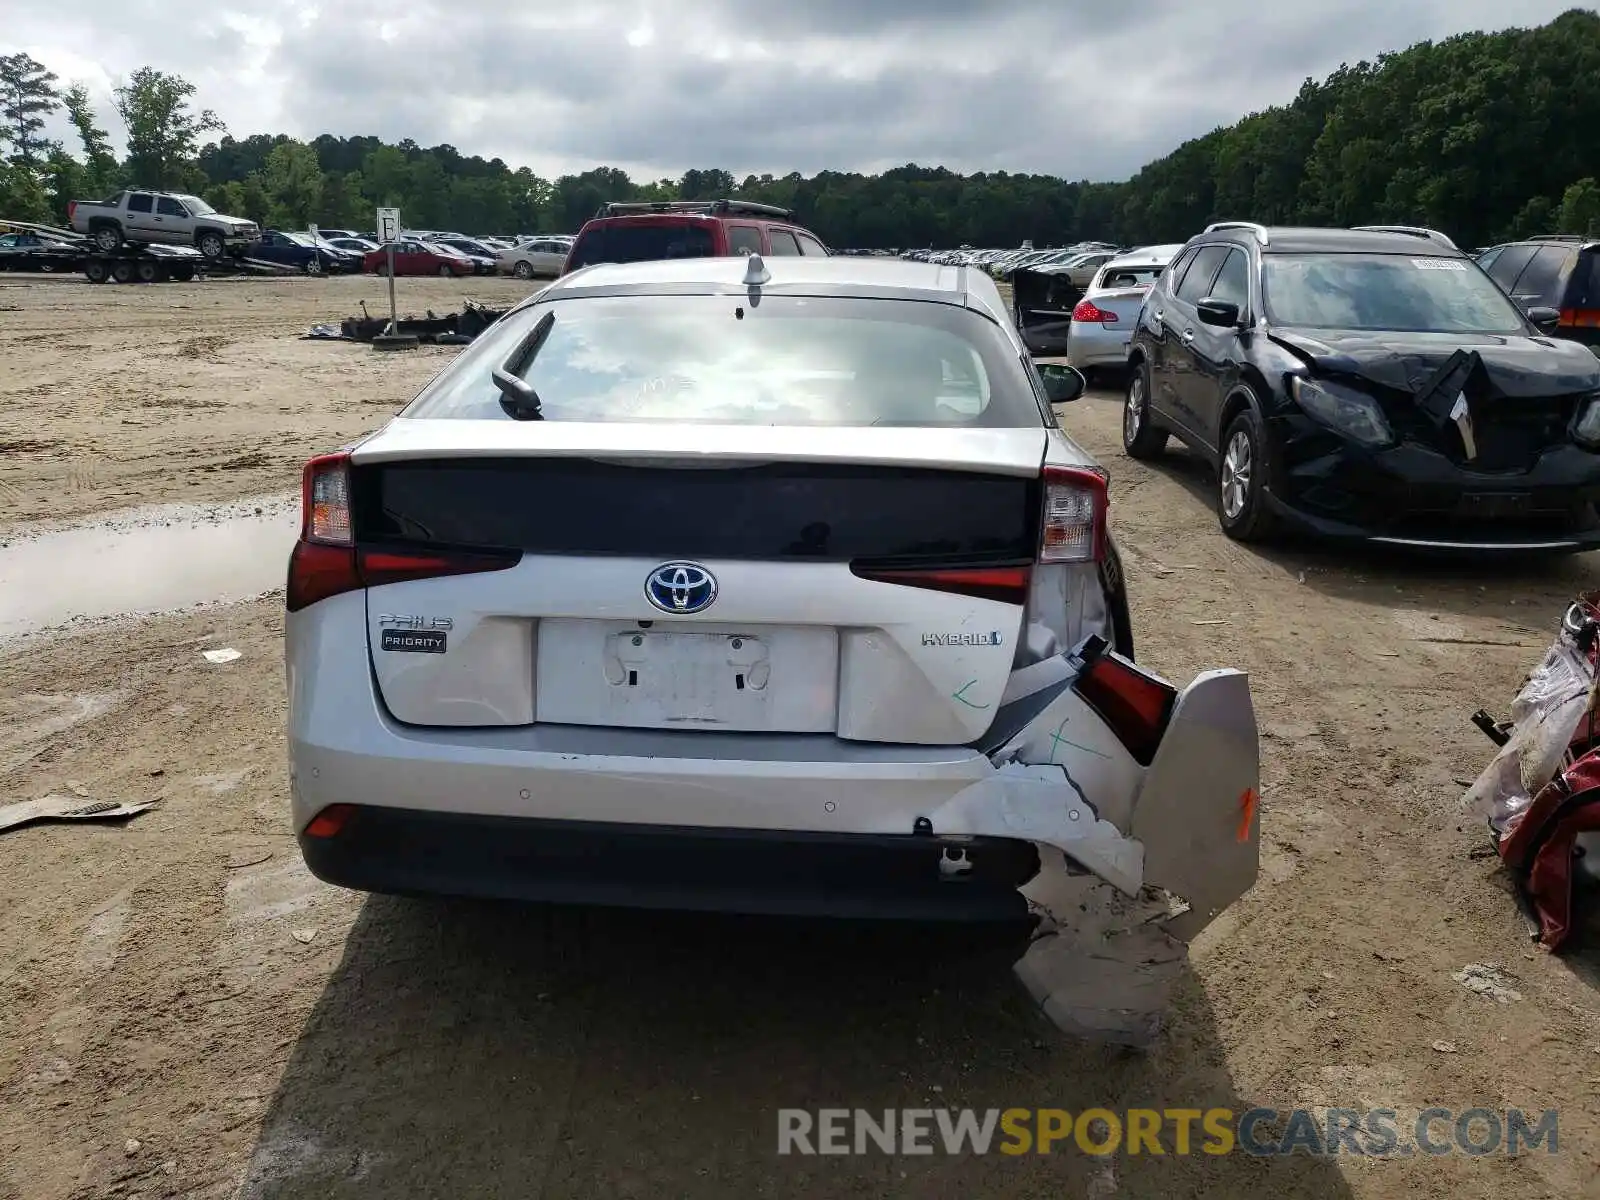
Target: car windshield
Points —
{"points": [[195, 205], [1391, 293], [300, 239], [630, 242], [723, 360]]}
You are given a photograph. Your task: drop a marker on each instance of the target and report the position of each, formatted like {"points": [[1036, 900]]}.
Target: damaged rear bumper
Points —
{"points": [[495, 811], [767, 872]]}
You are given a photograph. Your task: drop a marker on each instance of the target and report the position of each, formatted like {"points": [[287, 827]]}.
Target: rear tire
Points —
{"points": [[1142, 438], [447, 271], [1241, 480], [122, 272], [108, 237], [183, 274], [148, 272], [94, 271]]}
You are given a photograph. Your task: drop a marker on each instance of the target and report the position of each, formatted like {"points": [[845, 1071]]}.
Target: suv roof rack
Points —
{"points": [[1433, 235], [1259, 230], [1557, 237], [709, 207]]}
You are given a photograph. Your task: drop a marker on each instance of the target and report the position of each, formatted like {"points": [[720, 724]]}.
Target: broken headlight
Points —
{"points": [[1343, 409], [1586, 429]]}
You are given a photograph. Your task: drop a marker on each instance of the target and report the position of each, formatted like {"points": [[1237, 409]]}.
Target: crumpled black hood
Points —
{"points": [[1512, 366]]}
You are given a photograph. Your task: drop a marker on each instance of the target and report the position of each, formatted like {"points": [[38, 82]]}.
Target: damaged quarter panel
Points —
{"points": [[1186, 824]]}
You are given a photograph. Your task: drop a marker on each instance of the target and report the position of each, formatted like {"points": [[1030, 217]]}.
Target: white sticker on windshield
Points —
{"points": [[1438, 264]]}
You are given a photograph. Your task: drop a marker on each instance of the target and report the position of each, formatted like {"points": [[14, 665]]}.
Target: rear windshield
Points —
{"points": [[1394, 293], [721, 360], [1129, 277], [631, 242]]}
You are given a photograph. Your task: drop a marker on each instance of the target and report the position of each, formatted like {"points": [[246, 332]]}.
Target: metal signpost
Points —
{"points": [[389, 234]]}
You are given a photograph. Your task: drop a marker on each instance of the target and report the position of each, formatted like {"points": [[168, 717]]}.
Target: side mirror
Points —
{"points": [[1543, 317], [1221, 313], [1061, 384]]}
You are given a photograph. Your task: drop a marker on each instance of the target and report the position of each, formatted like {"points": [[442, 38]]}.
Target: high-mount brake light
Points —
{"points": [[1135, 706], [1073, 526], [326, 561]]}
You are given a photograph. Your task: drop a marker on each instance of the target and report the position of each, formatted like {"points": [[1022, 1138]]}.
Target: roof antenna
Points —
{"points": [[755, 271]]}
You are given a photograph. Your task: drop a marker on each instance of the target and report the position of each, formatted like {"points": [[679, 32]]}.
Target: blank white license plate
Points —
{"points": [[757, 679]]}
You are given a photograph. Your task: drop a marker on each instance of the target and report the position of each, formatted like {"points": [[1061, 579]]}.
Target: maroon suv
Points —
{"points": [[689, 229]]}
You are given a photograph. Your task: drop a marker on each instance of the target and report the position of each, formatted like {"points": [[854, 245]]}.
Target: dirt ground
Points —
{"points": [[119, 395], [188, 1014]]}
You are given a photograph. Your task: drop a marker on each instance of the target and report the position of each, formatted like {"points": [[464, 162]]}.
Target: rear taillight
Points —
{"points": [[1073, 527], [1009, 585], [1580, 318], [1088, 312], [326, 561], [1135, 706], [325, 501], [1072, 530]]}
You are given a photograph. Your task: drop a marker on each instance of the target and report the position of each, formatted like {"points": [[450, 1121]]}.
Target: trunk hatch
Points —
{"points": [[794, 641]]}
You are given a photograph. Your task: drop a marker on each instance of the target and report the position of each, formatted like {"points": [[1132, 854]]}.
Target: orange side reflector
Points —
{"points": [[1247, 813], [330, 821], [1580, 318]]}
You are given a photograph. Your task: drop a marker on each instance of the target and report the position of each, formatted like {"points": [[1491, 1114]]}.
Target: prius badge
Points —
{"points": [[1462, 416], [681, 588]]}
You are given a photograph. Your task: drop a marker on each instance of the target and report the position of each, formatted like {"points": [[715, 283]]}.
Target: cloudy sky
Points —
{"points": [[1078, 88]]}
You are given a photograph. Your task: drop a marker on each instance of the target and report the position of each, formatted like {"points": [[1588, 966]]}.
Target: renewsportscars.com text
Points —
{"points": [[1263, 1132]]}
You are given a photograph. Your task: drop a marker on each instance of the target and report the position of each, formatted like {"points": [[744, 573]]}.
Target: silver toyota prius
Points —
{"points": [[768, 586]]}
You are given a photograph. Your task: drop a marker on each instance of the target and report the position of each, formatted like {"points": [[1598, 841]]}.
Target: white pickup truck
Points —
{"points": [[163, 218]]}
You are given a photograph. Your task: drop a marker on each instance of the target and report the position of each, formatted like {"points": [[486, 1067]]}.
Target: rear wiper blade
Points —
{"points": [[517, 395]]}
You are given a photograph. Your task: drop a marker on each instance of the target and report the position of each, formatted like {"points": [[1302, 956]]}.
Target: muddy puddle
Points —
{"points": [[143, 561]]}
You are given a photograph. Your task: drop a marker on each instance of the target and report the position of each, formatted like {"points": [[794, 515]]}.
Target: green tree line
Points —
{"points": [[1486, 136]]}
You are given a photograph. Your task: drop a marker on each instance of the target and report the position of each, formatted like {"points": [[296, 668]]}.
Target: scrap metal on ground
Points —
{"points": [[451, 328], [1541, 793]]}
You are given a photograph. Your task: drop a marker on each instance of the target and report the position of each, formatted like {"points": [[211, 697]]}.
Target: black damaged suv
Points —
{"points": [[1370, 384]]}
